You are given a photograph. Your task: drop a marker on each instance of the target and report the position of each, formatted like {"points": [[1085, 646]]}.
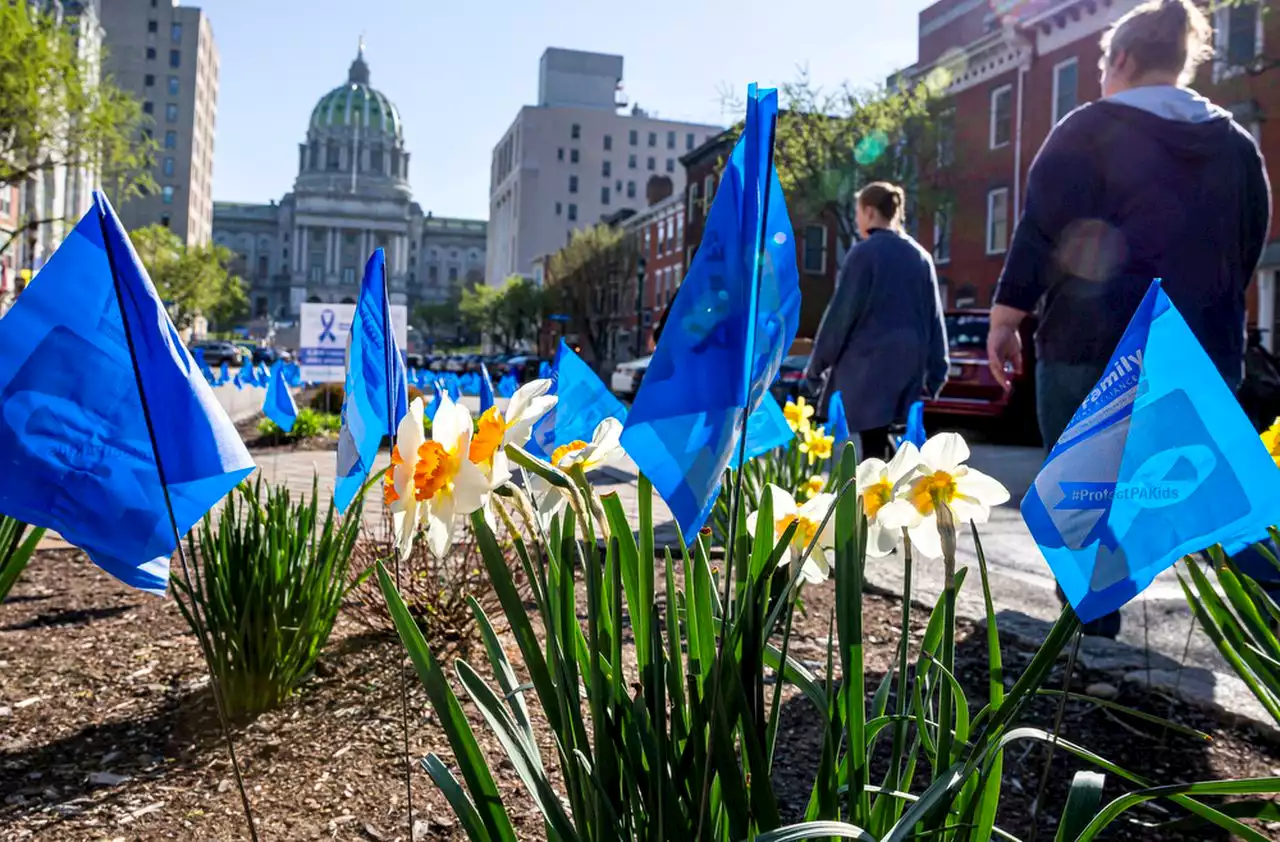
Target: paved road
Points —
{"points": [[1157, 625]]}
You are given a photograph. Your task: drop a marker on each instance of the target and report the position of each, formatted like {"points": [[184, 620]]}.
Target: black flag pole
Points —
{"points": [[392, 383], [216, 686]]}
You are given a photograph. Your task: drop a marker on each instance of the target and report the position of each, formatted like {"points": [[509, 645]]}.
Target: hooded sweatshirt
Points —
{"points": [[1155, 182]]}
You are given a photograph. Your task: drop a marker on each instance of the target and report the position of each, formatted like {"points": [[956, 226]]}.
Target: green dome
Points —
{"points": [[357, 104]]}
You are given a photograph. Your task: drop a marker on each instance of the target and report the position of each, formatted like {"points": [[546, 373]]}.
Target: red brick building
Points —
{"points": [[817, 244], [10, 211], [658, 232], [1008, 78]]}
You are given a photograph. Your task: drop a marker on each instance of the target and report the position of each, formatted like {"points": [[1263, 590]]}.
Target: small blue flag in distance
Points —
{"points": [[76, 453], [508, 385], [279, 405], [583, 401], [1159, 461], [375, 384], [733, 319], [486, 389]]}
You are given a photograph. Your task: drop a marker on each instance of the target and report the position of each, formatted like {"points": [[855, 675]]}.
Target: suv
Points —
{"points": [[216, 352]]}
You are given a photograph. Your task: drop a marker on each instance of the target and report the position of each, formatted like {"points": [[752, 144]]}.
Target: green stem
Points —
{"points": [[947, 532], [900, 727]]}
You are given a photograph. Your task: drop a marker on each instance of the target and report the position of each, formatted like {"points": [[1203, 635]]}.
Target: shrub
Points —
{"points": [[271, 577], [308, 424], [328, 397], [17, 545]]}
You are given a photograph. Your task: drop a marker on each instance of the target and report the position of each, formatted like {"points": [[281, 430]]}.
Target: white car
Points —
{"points": [[627, 376]]}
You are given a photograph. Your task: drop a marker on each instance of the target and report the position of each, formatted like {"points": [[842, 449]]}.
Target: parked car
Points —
{"points": [[790, 383], [626, 378], [217, 352], [972, 390]]}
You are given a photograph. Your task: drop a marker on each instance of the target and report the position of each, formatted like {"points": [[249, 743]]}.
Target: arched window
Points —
{"points": [[375, 159], [315, 155], [331, 156]]}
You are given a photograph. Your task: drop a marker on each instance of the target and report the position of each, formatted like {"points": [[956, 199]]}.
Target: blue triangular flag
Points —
{"points": [[437, 392], [837, 421], [486, 389], [293, 375], [915, 425], [453, 385], [376, 388], [583, 401], [279, 405], [767, 430], [508, 385], [732, 321], [76, 452], [1158, 462], [544, 370], [225, 375]]}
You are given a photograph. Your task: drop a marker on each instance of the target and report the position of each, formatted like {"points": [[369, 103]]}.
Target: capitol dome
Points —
{"points": [[357, 104]]}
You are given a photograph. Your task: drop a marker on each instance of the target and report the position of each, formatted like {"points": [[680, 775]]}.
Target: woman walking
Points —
{"points": [[1152, 180], [882, 341]]}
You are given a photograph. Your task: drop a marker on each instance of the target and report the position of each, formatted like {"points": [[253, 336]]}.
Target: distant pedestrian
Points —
{"points": [[883, 340], [1152, 180]]}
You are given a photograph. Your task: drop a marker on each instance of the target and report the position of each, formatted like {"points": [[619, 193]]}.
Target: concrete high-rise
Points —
{"points": [[164, 55], [575, 158]]}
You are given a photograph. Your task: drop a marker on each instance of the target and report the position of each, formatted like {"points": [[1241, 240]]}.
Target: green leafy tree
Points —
{"points": [[592, 281], [435, 320], [478, 307], [519, 311], [56, 110], [191, 280]]}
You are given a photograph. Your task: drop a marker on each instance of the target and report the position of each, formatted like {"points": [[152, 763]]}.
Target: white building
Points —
{"points": [[574, 158]]}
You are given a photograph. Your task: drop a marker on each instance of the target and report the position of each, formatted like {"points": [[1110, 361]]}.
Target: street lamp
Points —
{"points": [[640, 266]]}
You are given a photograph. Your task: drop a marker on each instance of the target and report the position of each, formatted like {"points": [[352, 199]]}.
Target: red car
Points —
{"points": [[972, 390]]}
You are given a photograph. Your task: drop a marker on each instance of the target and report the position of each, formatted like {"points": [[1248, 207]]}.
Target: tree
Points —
{"points": [[191, 280], [519, 311], [57, 111], [592, 281], [432, 319], [478, 308]]}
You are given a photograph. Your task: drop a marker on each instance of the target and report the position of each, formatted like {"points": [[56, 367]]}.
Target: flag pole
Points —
{"points": [[735, 508], [219, 701], [389, 336]]}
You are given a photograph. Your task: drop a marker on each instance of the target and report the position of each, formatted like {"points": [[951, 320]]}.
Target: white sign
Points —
{"points": [[325, 329]]}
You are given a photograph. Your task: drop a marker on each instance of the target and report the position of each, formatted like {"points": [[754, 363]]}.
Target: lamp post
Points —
{"points": [[640, 267]]}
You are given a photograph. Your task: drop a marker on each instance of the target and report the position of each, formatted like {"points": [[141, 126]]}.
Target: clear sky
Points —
{"points": [[460, 71]]}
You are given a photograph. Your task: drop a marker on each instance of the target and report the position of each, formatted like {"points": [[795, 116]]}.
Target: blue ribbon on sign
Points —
{"points": [[327, 318]]}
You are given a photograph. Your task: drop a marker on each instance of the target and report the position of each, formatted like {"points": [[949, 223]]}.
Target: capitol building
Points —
{"points": [[351, 195]]}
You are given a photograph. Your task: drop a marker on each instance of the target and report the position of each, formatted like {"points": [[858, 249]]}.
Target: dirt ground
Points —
{"points": [[107, 729]]}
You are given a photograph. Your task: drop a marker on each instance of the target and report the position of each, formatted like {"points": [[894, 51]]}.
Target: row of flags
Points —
{"points": [[110, 433]]}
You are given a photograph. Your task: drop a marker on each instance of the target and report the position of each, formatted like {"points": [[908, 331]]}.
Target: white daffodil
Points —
{"points": [[435, 477], [526, 407], [942, 477], [808, 519], [878, 484], [605, 448]]}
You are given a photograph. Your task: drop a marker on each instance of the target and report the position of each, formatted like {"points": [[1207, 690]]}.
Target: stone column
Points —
{"points": [[331, 242], [297, 248]]}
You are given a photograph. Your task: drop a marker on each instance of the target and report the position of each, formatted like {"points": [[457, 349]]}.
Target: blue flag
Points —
{"points": [[224, 375], [1158, 462], [279, 405], [915, 425], [732, 321], [508, 385], [76, 452], [486, 389], [767, 430], [292, 375], [376, 389], [453, 385], [544, 370], [837, 421], [437, 391], [583, 401]]}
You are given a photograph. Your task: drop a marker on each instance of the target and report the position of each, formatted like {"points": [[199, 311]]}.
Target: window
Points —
{"points": [[149, 80], [608, 142], [168, 165], [604, 195], [942, 235], [173, 86], [348, 275], [1065, 94], [688, 142], [558, 208], [171, 113], [662, 239], [573, 184], [709, 188], [631, 162], [175, 58], [617, 186], [606, 169], [1239, 32], [153, 26], [653, 139], [170, 140], [573, 212], [693, 200], [575, 132], [175, 33], [633, 137], [560, 154], [815, 249], [646, 239], [653, 164], [166, 194], [997, 220], [573, 156], [453, 274], [165, 220], [947, 137], [1001, 116], [433, 274], [671, 165], [671, 140], [631, 189], [151, 53], [148, 107]]}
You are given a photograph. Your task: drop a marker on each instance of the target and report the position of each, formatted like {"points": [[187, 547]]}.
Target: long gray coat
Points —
{"points": [[883, 339]]}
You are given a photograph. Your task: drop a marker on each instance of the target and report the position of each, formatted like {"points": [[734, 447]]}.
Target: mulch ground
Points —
{"points": [[107, 729]]}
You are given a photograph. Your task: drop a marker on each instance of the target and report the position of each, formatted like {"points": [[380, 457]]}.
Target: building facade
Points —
{"points": [[351, 196], [1007, 81], [574, 159], [164, 54]]}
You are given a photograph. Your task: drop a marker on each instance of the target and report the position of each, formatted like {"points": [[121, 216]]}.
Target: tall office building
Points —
{"points": [[575, 158], [164, 54]]}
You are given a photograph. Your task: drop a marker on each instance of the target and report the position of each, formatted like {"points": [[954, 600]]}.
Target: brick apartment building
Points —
{"points": [[817, 244], [1009, 78]]}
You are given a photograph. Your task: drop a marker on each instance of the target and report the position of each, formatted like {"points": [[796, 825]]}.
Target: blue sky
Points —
{"points": [[460, 71]]}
